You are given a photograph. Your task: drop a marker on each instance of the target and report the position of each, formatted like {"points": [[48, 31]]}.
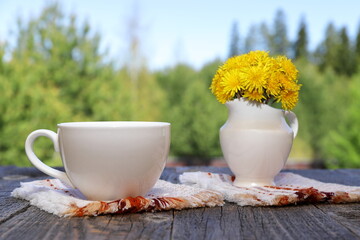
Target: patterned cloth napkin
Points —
{"points": [[198, 189], [290, 189], [54, 197]]}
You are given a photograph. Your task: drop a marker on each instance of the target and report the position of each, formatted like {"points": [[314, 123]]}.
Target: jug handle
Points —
{"points": [[293, 121]]}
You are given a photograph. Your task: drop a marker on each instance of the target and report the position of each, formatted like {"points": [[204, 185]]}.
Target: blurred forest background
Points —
{"points": [[56, 73]]}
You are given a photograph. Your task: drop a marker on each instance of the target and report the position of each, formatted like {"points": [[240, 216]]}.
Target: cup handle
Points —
{"points": [[293, 121], [37, 162]]}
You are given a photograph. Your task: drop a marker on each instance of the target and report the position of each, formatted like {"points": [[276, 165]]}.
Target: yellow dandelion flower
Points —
{"points": [[256, 58], [215, 84], [273, 85], [223, 97], [254, 96], [288, 99], [287, 83], [257, 77], [254, 78], [287, 67], [231, 82], [233, 63]]}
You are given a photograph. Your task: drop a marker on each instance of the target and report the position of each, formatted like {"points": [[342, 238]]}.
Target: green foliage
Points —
{"points": [[278, 40], [194, 113], [117, 97], [326, 51], [357, 45], [345, 59], [195, 123], [337, 52], [56, 73], [329, 117], [26, 105], [343, 141], [301, 43]]}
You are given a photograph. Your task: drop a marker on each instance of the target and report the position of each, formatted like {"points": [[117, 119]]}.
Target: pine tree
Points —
{"points": [[357, 50], [234, 49], [250, 40], [264, 37], [326, 52], [257, 38], [46, 80], [279, 43], [344, 63], [301, 43], [141, 84], [357, 42]]}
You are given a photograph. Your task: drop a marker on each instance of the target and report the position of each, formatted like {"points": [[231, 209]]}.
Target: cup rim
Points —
{"points": [[112, 124]]}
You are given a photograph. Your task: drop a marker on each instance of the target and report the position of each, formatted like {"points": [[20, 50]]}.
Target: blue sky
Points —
{"points": [[192, 31]]}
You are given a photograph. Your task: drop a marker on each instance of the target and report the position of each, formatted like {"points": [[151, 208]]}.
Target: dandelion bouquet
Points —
{"points": [[256, 76]]}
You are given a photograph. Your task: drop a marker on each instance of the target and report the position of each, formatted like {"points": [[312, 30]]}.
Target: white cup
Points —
{"points": [[107, 160]]}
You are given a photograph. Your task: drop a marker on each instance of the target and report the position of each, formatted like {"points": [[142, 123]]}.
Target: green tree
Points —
{"points": [[345, 57], [46, 80], [250, 39], [357, 42], [207, 72], [234, 48], [69, 52], [27, 104], [310, 108], [193, 111], [327, 50], [357, 49], [343, 141], [301, 43], [320, 92], [174, 82], [257, 38], [130, 92], [197, 116], [278, 40]]}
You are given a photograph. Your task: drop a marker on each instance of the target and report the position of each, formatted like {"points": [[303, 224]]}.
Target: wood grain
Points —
{"points": [[19, 220]]}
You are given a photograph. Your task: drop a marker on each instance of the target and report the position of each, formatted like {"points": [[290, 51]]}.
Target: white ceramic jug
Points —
{"points": [[256, 141]]}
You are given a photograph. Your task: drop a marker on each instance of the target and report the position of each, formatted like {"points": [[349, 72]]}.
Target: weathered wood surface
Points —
{"points": [[20, 220]]}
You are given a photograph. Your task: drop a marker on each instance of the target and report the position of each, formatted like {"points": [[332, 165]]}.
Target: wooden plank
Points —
{"points": [[340, 176], [17, 213], [200, 223], [36, 224], [142, 226], [18, 220], [235, 222], [351, 176], [295, 222], [10, 206], [181, 170], [10, 179], [29, 172], [348, 215], [170, 175], [229, 222]]}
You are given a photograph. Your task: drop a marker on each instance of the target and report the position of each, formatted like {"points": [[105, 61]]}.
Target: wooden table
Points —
{"points": [[20, 220]]}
